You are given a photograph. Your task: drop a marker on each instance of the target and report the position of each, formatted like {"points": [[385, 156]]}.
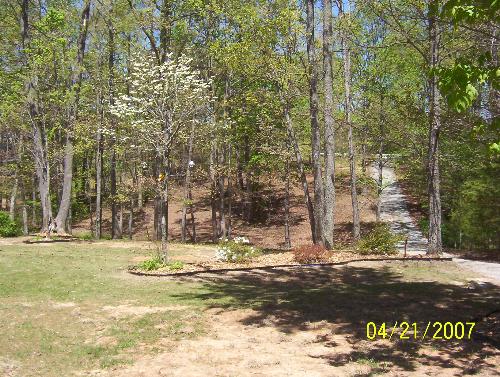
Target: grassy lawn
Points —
{"points": [[71, 308]]}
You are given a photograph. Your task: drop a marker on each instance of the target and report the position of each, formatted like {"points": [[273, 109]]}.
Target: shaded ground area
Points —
{"points": [[313, 322]]}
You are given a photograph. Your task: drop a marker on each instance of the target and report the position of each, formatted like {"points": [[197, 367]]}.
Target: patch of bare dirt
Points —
{"points": [[62, 305], [121, 311], [233, 349], [312, 323], [236, 348], [9, 368]]}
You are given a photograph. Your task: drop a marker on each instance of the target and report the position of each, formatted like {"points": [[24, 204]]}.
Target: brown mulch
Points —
{"points": [[275, 260]]}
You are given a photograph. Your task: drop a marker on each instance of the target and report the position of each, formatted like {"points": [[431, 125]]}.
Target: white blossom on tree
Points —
{"points": [[163, 100]]}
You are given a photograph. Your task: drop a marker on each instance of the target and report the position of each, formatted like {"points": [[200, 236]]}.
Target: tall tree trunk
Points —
{"points": [[140, 199], [229, 195], [158, 208], [42, 171], [25, 220], [329, 202], [38, 128], [248, 182], [130, 218], [33, 206], [363, 150], [380, 161], [315, 130], [15, 186], [164, 219], [288, 242], [98, 168], [222, 194], [213, 191], [348, 110], [300, 165], [115, 227], [435, 242], [89, 189], [157, 172], [115, 224], [61, 219], [166, 166], [13, 196], [120, 220], [228, 150], [187, 189], [185, 201], [24, 210]]}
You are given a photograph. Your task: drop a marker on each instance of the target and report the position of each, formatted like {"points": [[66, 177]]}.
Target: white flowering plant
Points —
{"points": [[164, 99], [237, 250]]}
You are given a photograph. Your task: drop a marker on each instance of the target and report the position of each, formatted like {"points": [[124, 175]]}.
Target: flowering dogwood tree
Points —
{"points": [[164, 99]]}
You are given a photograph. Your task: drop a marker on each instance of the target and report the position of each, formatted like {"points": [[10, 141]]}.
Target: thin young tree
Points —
{"points": [[313, 113], [329, 202], [346, 55]]}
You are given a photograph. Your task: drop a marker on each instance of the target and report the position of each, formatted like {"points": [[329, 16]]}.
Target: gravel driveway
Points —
{"points": [[395, 212]]}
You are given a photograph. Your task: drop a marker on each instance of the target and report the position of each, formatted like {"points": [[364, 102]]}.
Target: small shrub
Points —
{"points": [[311, 254], [366, 182], [175, 266], [152, 264], [381, 240], [8, 228], [236, 251], [85, 236]]}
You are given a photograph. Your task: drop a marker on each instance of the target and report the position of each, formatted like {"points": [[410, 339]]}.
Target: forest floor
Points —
{"points": [[71, 309], [267, 229]]}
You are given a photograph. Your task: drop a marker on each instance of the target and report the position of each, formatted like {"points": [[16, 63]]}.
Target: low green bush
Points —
{"points": [[152, 264], [156, 263], [380, 240], [85, 236], [175, 266], [8, 228]]}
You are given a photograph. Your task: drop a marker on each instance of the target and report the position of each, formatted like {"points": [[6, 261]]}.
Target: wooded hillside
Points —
{"points": [[110, 105]]}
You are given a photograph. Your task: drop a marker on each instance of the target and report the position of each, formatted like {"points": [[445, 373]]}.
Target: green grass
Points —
{"points": [[52, 299]]}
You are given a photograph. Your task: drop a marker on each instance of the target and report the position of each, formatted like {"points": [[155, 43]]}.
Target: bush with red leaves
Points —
{"points": [[311, 254]]}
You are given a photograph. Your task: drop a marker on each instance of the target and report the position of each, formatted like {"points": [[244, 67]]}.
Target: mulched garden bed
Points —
{"points": [[40, 238], [270, 261]]}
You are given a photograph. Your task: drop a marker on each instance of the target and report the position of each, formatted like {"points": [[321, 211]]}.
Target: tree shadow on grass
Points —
{"points": [[347, 298]]}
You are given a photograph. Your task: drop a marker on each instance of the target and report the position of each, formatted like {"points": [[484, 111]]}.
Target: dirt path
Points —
{"points": [[395, 212]]}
